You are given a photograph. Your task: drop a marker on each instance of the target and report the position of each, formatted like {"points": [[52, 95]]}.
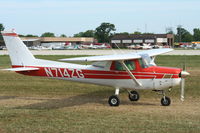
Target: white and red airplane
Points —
{"points": [[130, 71]]}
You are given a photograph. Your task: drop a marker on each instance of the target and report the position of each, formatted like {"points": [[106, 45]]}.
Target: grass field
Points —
{"points": [[35, 104]]}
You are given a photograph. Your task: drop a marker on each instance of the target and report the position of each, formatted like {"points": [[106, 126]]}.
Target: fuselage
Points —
{"points": [[152, 77]]}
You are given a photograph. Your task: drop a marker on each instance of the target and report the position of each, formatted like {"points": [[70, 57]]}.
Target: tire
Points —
{"points": [[134, 96], [166, 101], [113, 100]]}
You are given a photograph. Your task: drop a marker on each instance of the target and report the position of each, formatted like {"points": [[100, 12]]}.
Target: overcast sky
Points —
{"points": [[73, 16]]}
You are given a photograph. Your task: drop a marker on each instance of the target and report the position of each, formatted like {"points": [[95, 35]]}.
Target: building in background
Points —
{"points": [[37, 41], [125, 40]]}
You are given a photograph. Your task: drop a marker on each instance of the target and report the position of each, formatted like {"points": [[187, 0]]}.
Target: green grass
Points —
{"points": [[36, 104]]}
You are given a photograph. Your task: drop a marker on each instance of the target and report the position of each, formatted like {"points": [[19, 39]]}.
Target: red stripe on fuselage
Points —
{"points": [[97, 74], [10, 34]]}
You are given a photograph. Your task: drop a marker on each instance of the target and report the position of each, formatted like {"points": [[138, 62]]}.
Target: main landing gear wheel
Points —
{"points": [[114, 100], [134, 96], [165, 101]]}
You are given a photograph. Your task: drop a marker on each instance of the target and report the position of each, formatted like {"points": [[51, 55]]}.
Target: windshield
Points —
{"points": [[146, 61]]}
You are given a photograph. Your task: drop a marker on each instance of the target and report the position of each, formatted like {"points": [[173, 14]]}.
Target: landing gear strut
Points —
{"points": [[114, 99], [165, 101]]}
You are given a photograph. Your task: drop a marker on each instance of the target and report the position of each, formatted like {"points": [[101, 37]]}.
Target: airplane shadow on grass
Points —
{"points": [[78, 100], [7, 97]]}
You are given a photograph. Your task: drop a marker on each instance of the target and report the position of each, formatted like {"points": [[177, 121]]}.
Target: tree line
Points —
{"points": [[105, 31], [185, 36]]}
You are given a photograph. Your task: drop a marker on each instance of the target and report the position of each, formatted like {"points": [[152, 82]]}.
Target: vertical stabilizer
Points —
{"points": [[19, 53]]}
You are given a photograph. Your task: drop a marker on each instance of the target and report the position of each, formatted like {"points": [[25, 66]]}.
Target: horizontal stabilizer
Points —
{"points": [[21, 69]]}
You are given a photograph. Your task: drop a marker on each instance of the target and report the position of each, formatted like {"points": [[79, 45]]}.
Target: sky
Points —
{"points": [[72, 16]]}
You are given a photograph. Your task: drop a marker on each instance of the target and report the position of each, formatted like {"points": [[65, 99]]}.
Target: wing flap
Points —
{"points": [[21, 69]]}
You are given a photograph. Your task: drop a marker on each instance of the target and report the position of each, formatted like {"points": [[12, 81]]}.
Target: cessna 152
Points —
{"points": [[129, 71]]}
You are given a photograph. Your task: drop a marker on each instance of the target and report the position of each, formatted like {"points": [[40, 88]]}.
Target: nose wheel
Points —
{"points": [[165, 101]]}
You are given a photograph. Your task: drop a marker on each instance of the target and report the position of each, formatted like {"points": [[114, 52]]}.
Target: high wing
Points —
{"points": [[155, 52], [104, 57], [21, 69], [119, 57]]}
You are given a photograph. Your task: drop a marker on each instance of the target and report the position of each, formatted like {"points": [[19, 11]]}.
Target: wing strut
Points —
{"points": [[130, 74]]}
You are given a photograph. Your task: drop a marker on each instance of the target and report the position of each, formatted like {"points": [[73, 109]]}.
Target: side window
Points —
{"points": [[118, 66], [130, 64]]}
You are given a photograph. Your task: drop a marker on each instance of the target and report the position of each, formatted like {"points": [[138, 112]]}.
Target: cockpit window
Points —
{"points": [[146, 61], [129, 63], [118, 66], [142, 64]]}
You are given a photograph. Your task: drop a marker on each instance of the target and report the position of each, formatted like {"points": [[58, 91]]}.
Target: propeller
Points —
{"points": [[182, 89], [183, 74]]}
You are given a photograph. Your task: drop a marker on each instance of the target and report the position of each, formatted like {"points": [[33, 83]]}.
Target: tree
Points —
{"points": [[1, 29], [63, 35], [88, 33], [30, 35], [80, 34], [183, 35], [148, 33], [196, 36], [137, 33], [48, 34], [169, 30], [103, 32], [122, 33], [20, 35], [187, 37]]}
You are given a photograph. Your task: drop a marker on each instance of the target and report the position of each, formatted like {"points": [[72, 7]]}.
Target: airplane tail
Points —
{"points": [[19, 53]]}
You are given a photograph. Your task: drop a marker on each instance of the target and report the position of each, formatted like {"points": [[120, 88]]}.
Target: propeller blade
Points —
{"points": [[184, 66], [184, 73], [182, 88]]}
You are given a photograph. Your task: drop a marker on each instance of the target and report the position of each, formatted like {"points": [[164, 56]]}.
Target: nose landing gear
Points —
{"points": [[165, 101]]}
